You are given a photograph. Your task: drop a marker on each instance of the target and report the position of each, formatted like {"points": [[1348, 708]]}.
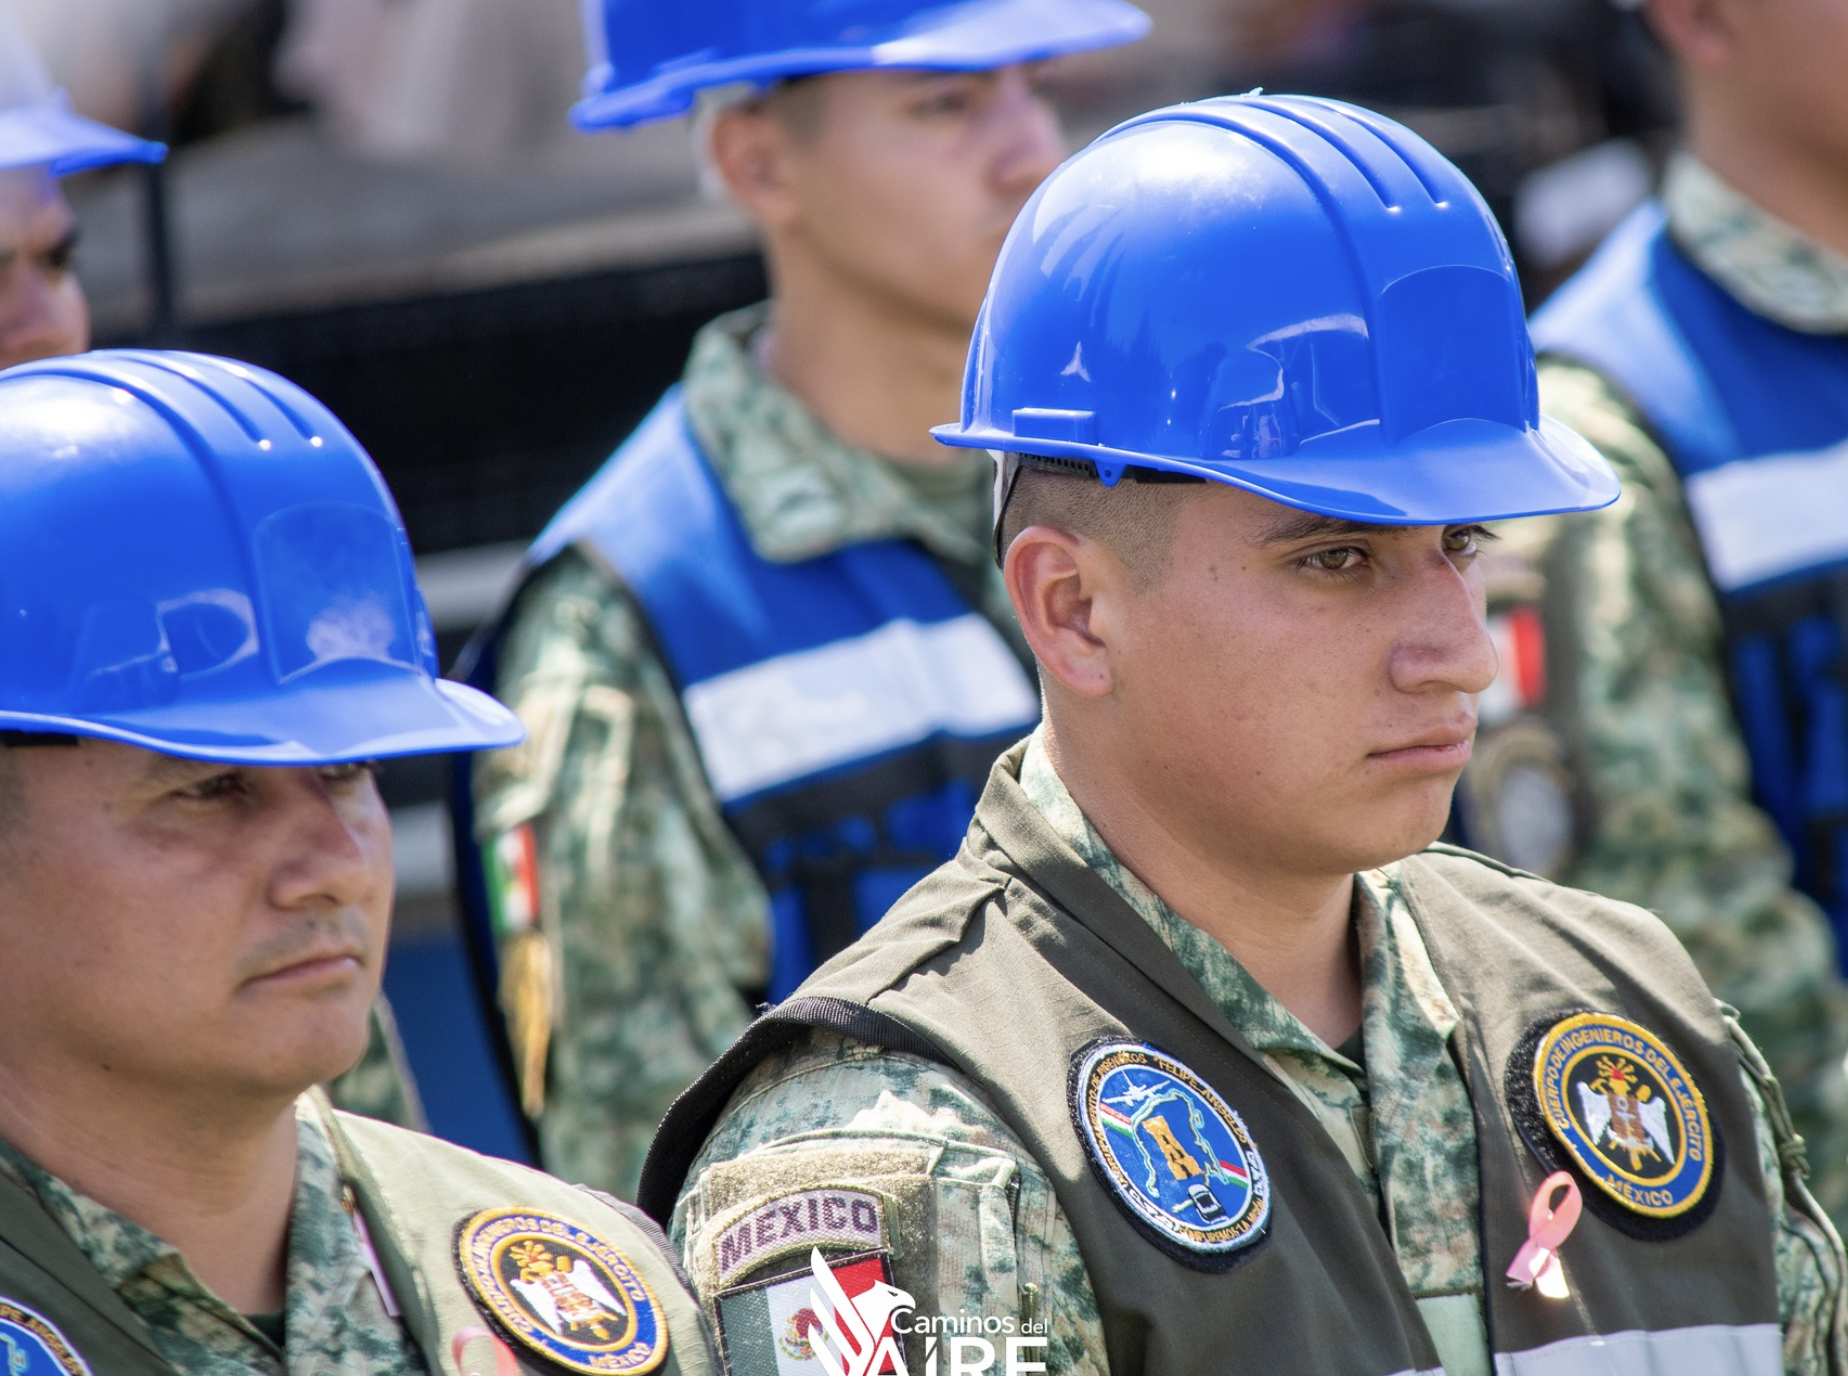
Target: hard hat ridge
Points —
{"points": [[196, 557], [1286, 294]]}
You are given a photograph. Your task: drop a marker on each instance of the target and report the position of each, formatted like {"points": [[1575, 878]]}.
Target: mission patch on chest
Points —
{"points": [[1607, 1098], [561, 1291], [1177, 1159], [31, 1345]]}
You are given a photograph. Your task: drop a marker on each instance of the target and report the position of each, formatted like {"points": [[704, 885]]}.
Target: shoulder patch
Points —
{"points": [[1179, 1162], [798, 1221], [827, 1317], [561, 1292], [31, 1345], [1605, 1098], [1517, 800]]}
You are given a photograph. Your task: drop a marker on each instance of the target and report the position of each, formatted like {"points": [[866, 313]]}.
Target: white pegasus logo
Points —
{"points": [[857, 1342]]}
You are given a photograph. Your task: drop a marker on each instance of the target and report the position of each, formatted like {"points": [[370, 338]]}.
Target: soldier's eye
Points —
{"points": [[1466, 539], [1343, 560]]}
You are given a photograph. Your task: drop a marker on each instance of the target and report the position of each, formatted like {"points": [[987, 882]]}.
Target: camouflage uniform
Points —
{"points": [[380, 1085], [656, 923], [1623, 771], [976, 1228], [335, 1321]]}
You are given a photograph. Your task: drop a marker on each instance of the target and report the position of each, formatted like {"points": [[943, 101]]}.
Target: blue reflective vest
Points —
{"points": [[846, 708], [1754, 416]]}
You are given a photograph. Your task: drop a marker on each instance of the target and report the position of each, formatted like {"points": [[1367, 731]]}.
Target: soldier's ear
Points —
{"points": [[749, 151], [1704, 34], [1054, 579]]}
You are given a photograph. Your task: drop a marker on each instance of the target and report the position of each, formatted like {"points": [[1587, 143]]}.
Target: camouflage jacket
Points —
{"points": [[975, 1219], [334, 1321], [380, 1085], [654, 924], [1609, 757]]}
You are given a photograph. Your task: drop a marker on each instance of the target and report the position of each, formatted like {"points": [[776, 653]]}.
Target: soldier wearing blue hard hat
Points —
{"points": [[1200, 1056], [209, 629], [42, 308], [1683, 742], [43, 314], [763, 658]]}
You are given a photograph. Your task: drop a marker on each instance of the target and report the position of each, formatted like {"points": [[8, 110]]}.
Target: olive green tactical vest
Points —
{"points": [[1011, 960], [415, 1193]]}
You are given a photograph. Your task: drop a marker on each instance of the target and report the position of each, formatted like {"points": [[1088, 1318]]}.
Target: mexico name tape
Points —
{"points": [[796, 1222]]}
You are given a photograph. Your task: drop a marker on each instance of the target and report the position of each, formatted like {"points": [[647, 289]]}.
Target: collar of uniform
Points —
{"points": [[799, 490], [1407, 1016], [1773, 267], [324, 1257], [119, 1248]]}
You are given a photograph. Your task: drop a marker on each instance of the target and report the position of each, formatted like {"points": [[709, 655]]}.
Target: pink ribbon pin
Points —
{"points": [[1549, 1224], [504, 1363]]}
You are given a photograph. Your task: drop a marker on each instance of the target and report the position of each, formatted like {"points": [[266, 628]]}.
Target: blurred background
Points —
{"points": [[382, 200]]}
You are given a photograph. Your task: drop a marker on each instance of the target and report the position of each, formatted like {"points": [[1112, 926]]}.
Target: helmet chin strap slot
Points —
{"points": [[1010, 463]]}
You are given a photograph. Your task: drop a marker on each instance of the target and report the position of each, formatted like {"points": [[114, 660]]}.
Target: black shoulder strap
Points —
{"points": [[42, 1269], [691, 1118]]}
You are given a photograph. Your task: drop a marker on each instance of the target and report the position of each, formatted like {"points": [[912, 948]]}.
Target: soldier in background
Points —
{"points": [[1671, 725], [763, 660], [42, 308]]}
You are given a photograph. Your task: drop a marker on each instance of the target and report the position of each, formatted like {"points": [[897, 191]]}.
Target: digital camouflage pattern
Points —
{"points": [[835, 1112], [656, 924], [974, 1225], [1655, 773], [334, 1320], [1773, 267], [381, 1085]]}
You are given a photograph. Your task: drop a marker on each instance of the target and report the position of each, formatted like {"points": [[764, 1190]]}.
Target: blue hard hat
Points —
{"points": [[37, 125], [197, 558], [1290, 295], [51, 135], [650, 58]]}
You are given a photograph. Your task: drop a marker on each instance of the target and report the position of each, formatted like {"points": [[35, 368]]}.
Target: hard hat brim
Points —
{"points": [[364, 717], [1458, 472], [977, 35], [55, 137]]}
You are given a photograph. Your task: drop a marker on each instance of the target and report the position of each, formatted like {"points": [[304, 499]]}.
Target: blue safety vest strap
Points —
{"points": [[846, 708], [1754, 416], [1612, 317]]}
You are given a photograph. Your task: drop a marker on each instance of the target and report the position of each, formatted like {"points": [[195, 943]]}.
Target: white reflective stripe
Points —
{"points": [[800, 713], [1759, 518], [1710, 1350]]}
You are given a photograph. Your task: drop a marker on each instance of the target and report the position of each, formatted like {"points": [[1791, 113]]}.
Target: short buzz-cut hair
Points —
{"points": [[1134, 520], [12, 795]]}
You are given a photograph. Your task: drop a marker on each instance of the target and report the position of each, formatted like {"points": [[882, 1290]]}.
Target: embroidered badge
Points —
{"points": [[831, 1316], [31, 1345], [561, 1291], [1606, 1097], [1178, 1159], [853, 1219]]}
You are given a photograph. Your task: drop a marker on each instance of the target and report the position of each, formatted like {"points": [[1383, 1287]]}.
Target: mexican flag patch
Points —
{"points": [[513, 880], [775, 1327]]}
